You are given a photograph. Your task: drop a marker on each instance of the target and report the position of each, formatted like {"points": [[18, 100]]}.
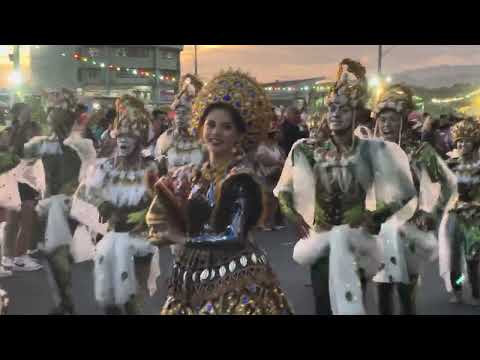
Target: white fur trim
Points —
{"points": [[56, 210], [114, 271]]}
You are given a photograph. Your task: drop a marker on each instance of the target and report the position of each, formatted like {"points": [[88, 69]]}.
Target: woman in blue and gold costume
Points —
{"points": [[209, 210]]}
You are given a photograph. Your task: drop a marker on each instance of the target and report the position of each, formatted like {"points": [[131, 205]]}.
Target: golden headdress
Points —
{"points": [[396, 97], [468, 129], [245, 95], [351, 83], [132, 117], [60, 99]]}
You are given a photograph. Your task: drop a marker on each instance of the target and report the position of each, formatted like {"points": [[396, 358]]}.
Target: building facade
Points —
{"points": [[286, 92], [150, 72], [312, 91]]}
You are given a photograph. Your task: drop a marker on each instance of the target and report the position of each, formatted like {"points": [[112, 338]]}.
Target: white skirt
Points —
{"points": [[32, 174], [114, 271], [350, 249]]}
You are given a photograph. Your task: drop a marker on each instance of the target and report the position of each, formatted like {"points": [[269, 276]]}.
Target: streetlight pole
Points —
{"points": [[16, 57], [380, 54], [196, 62]]}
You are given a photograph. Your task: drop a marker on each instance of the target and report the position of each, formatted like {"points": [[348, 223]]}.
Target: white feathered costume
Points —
{"points": [[383, 171]]}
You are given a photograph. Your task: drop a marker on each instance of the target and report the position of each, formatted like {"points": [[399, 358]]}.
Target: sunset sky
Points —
{"points": [[286, 62]]}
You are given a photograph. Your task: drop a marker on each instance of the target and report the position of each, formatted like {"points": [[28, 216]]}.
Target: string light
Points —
{"points": [[302, 88], [455, 99], [78, 57]]}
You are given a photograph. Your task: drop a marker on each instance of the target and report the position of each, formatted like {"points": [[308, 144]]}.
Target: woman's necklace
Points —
{"points": [[216, 175]]}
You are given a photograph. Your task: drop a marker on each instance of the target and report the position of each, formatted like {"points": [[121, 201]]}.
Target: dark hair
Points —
{"points": [[158, 112], [363, 117], [62, 121], [110, 115], [237, 119], [107, 119], [294, 110], [81, 108], [16, 110]]}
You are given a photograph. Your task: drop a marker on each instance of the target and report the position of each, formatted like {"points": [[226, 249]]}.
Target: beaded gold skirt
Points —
{"points": [[208, 281]]}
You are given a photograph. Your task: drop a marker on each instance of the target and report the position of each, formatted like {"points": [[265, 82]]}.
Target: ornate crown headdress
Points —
{"points": [[132, 117], [398, 98], [468, 129], [351, 83], [245, 95]]}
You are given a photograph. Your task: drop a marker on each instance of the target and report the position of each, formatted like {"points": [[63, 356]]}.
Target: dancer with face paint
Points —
{"points": [[461, 245], [116, 187], [65, 158], [324, 188], [177, 147], [414, 241]]}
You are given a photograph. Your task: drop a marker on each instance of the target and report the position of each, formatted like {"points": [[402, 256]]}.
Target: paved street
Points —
{"points": [[29, 292]]}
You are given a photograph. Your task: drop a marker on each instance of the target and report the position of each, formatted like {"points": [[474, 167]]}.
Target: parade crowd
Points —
{"points": [[375, 190]]}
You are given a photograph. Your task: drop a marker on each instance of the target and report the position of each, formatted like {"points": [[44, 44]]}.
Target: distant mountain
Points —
{"points": [[440, 76]]}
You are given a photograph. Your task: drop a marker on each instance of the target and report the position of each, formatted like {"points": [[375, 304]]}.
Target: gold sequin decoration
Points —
{"points": [[245, 95]]}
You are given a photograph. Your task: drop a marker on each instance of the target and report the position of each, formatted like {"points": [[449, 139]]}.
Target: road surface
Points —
{"points": [[29, 293]]}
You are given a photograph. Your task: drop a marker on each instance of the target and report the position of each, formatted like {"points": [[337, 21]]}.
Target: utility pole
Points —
{"points": [[16, 57], [380, 54], [196, 62]]}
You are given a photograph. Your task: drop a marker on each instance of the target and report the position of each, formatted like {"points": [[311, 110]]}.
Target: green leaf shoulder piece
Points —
{"points": [[307, 148], [427, 156]]}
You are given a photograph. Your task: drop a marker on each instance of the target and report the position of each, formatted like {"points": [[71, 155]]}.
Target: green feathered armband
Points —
{"points": [[427, 156], [285, 200], [138, 217]]}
